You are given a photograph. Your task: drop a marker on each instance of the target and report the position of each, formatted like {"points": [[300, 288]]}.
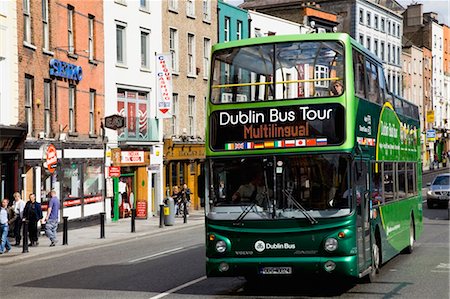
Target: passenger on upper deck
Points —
{"points": [[337, 88]]}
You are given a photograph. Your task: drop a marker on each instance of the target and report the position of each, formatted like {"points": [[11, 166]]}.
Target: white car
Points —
{"points": [[439, 191]]}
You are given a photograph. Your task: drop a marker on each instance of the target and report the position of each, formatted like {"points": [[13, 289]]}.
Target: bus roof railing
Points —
{"points": [[277, 82]]}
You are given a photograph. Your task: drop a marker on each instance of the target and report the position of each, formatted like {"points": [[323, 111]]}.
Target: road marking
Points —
{"points": [[178, 288], [156, 254]]}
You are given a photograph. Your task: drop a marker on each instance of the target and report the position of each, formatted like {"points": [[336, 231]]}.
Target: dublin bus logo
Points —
{"points": [[260, 246]]}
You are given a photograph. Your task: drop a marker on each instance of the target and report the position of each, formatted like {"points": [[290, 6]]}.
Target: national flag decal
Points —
{"points": [[239, 146], [321, 141], [229, 146]]}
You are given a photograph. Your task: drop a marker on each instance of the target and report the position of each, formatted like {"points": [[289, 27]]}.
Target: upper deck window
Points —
{"points": [[261, 72]]}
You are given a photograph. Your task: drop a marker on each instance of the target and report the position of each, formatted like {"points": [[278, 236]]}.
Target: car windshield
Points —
{"points": [[443, 180], [279, 187], [288, 70]]}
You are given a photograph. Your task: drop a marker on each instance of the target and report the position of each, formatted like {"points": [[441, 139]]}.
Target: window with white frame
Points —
{"points": [[206, 10], [368, 43], [29, 103], [382, 50], [91, 37], [27, 22], [174, 121], [70, 33], [382, 25], [190, 8], [92, 93], [191, 115], [191, 54], [361, 39], [361, 16], [45, 26], [72, 108], [239, 30], [321, 73], [226, 30], [375, 47], [369, 19], [120, 43], [145, 48], [47, 115], [143, 4], [206, 55], [375, 21], [173, 46], [173, 5]]}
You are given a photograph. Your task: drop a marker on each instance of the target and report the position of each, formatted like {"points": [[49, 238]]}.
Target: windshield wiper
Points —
{"points": [[300, 207], [244, 213]]}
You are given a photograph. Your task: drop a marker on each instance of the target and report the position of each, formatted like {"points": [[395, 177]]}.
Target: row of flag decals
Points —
{"points": [[276, 144], [366, 141]]}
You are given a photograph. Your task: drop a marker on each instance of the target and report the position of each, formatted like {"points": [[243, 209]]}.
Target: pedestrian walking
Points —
{"points": [[32, 213], [52, 217], [5, 246], [186, 197], [18, 207]]}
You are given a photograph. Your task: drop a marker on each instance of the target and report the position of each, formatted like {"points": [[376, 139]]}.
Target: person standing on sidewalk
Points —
{"points": [[51, 220], [18, 206], [32, 213], [4, 226]]}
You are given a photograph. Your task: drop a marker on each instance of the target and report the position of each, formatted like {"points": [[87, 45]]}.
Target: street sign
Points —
{"points": [[430, 116], [114, 171], [431, 135], [114, 122]]}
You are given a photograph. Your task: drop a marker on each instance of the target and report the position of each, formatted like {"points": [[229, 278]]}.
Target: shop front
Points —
{"points": [[73, 171], [184, 164]]}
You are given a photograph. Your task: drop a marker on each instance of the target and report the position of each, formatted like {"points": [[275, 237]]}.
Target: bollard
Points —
{"points": [[25, 237], [161, 216], [185, 212], [102, 225], [65, 230], [133, 222]]}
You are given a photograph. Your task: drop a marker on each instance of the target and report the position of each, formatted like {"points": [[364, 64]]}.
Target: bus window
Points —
{"points": [[401, 175], [373, 93], [377, 188], [358, 70], [388, 182], [410, 175], [398, 105]]}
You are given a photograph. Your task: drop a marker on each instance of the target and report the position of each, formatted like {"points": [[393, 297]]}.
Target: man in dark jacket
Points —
{"points": [[32, 213]]}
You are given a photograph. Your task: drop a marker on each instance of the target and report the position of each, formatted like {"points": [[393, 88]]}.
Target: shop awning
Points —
{"points": [[11, 137]]}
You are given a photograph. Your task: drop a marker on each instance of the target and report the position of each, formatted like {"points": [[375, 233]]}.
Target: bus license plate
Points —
{"points": [[276, 270]]}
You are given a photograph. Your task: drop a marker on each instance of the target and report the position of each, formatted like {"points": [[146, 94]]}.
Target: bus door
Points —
{"points": [[360, 193]]}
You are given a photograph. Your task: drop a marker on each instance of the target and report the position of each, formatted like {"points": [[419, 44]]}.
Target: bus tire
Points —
{"points": [[410, 248], [376, 259]]}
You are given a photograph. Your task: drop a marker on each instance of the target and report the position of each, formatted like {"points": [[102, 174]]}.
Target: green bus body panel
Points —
{"points": [[303, 246]]}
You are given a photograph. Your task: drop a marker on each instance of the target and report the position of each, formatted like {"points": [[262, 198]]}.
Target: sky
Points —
{"points": [[442, 7]]}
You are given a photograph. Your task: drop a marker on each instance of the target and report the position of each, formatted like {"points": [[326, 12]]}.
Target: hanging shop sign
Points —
{"points": [[66, 70], [114, 122], [51, 160], [114, 171], [163, 86]]}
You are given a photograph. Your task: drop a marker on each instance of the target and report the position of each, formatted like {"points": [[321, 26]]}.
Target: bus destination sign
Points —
{"points": [[277, 127]]}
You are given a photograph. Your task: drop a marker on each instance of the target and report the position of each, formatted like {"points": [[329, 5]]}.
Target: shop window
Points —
{"points": [[71, 182], [92, 180]]}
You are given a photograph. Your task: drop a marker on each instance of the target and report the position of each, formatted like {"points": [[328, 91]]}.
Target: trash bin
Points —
{"points": [[169, 211]]}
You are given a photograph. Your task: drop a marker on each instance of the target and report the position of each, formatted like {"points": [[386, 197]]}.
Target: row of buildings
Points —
{"points": [[66, 65]]}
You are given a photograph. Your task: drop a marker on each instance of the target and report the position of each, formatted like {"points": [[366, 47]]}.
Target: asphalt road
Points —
{"points": [[172, 265]]}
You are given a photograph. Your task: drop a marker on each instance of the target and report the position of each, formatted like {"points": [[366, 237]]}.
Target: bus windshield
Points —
{"points": [[288, 70], [280, 187]]}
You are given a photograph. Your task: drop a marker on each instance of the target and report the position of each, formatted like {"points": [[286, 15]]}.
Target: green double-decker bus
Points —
{"points": [[312, 165]]}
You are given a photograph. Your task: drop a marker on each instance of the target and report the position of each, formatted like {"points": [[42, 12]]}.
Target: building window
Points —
{"points": [[368, 19], [174, 123], [382, 50], [206, 10], [361, 39], [92, 111], [29, 103], [47, 115], [382, 25], [239, 30], [191, 54], [71, 42], [143, 4], [173, 5], [368, 43], [398, 55], [322, 72], [120, 43], [191, 115], [389, 27], [26, 21], [173, 45], [135, 107], [72, 107], [398, 30], [226, 30], [375, 47], [389, 53], [190, 8], [45, 26], [361, 16], [206, 55], [145, 48], [91, 37], [375, 21]]}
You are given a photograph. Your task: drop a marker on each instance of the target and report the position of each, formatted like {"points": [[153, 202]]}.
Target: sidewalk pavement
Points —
{"points": [[89, 237]]}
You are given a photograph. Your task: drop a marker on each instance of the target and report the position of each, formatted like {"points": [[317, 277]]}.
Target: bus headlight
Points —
{"points": [[331, 244], [221, 246]]}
